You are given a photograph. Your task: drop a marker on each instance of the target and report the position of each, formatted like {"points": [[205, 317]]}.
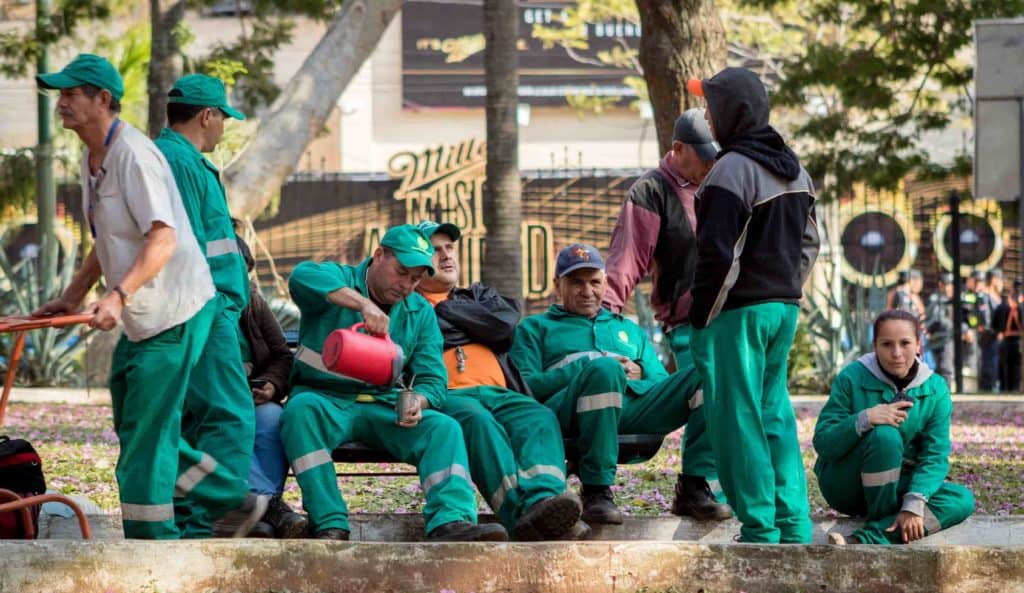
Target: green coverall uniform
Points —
{"points": [[326, 409], [566, 361], [515, 450], [767, 475], [219, 411], [698, 457], [878, 471]]}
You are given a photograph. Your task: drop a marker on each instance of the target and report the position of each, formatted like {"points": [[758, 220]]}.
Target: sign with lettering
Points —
{"points": [[445, 183], [443, 49]]}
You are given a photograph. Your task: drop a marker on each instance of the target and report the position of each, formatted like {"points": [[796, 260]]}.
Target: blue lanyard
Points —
{"points": [[101, 176]]}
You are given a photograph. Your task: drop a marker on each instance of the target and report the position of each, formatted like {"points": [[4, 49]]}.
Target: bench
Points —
{"points": [[633, 448]]}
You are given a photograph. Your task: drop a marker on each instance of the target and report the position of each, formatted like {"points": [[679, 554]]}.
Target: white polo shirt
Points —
{"points": [[136, 188]]}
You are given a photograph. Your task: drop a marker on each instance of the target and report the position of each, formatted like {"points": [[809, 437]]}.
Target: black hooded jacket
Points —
{"points": [[480, 315], [757, 231]]}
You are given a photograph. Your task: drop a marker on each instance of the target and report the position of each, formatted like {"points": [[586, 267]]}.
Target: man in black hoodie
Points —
{"points": [[757, 240]]}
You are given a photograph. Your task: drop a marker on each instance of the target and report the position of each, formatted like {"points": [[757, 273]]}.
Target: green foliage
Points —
{"points": [[19, 49], [17, 177], [873, 76], [51, 356], [264, 32]]}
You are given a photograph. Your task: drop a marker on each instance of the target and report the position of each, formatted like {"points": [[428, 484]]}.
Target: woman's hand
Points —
{"points": [[892, 414], [910, 525]]}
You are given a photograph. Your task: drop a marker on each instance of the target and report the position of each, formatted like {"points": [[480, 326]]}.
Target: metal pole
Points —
{"points": [[958, 354], [46, 197]]}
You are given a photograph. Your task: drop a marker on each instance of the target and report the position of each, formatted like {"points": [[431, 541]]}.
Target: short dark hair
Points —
{"points": [[896, 315], [179, 113], [91, 90]]}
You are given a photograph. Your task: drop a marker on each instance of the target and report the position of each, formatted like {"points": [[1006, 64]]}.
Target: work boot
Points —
{"points": [[579, 531], [262, 530], [836, 539], [238, 522], [694, 499], [464, 531], [333, 533], [599, 506], [549, 518], [287, 523]]}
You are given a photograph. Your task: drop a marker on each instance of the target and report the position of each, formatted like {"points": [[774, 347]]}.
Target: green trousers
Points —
{"points": [[869, 482], [698, 458], [597, 406], [742, 358], [515, 448], [148, 380], [313, 424], [219, 416]]}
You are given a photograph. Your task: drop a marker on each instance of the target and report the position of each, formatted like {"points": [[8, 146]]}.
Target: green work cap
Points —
{"points": [[411, 246], [429, 227], [85, 69], [204, 91]]}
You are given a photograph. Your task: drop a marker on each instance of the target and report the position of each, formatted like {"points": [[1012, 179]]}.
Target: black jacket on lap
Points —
{"points": [[480, 315]]}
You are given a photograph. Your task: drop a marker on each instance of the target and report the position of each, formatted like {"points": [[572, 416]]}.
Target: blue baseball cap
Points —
{"points": [[576, 257]]}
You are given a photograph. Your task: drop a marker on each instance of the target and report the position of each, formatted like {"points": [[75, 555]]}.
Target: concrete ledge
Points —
{"points": [[254, 566], [367, 527]]}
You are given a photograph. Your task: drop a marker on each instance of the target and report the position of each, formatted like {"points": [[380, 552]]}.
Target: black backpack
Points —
{"points": [[22, 473]]}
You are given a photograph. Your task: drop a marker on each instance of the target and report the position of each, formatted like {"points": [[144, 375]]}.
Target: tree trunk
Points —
{"points": [[502, 204], [164, 16], [681, 39], [298, 114]]}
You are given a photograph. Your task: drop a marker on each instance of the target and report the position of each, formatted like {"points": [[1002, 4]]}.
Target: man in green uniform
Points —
{"points": [[327, 409], [756, 242], [599, 374], [514, 443], [159, 287], [219, 416]]}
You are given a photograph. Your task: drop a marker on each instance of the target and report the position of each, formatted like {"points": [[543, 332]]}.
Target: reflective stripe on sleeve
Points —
{"points": [[221, 247]]}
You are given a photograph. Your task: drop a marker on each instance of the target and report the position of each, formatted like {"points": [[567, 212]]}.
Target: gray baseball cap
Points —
{"points": [[691, 128]]}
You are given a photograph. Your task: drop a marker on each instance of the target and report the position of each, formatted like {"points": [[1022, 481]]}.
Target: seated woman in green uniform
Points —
{"points": [[883, 441]]}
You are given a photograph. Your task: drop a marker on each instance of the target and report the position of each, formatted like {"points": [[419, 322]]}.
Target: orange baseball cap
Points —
{"points": [[695, 86]]}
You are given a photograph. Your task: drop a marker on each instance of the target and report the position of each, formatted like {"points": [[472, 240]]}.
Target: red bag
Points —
{"points": [[21, 472]]}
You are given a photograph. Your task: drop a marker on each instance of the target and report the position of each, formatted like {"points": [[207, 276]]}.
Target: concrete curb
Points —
{"points": [[254, 566]]}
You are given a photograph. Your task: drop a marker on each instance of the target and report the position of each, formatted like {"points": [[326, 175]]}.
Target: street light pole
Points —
{"points": [[958, 317], [46, 197]]}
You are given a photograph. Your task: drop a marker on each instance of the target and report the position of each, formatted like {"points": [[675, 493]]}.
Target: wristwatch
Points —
{"points": [[125, 297]]}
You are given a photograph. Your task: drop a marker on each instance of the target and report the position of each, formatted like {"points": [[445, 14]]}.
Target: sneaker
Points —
{"points": [[332, 533], [550, 518], [287, 523], [599, 506], [262, 530], [464, 531], [579, 531], [239, 522], [836, 539], [694, 498]]}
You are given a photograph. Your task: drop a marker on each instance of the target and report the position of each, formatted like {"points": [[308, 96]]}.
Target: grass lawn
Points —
{"points": [[79, 451]]}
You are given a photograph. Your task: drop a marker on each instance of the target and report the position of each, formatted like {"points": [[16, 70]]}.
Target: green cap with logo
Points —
{"points": [[204, 91], [429, 227], [85, 69], [411, 246]]}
